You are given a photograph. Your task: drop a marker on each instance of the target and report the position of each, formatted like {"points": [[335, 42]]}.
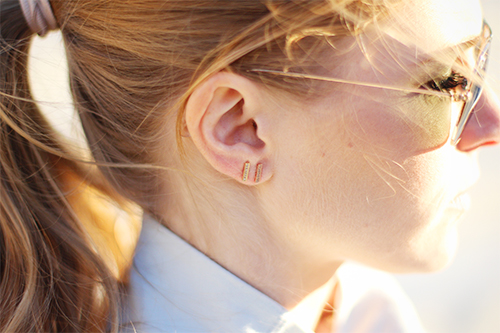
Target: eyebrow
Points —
{"points": [[431, 61], [470, 41], [466, 44]]}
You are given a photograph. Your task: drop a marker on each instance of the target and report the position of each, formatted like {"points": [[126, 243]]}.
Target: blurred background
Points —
{"points": [[464, 298]]}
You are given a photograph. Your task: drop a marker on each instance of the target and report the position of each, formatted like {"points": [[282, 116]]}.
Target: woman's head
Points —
{"points": [[361, 170]]}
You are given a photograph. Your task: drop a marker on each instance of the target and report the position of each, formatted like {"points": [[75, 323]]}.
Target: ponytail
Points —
{"points": [[51, 278]]}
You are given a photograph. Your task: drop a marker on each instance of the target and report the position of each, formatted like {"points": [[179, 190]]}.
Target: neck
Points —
{"points": [[251, 248]]}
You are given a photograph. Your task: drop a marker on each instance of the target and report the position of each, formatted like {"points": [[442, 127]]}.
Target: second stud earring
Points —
{"points": [[258, 172]]}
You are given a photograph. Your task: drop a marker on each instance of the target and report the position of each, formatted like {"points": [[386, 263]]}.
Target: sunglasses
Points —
{"points": [[469, 95]]}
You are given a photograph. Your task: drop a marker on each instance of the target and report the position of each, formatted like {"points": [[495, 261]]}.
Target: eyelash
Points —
{"points": [[447, 84]]}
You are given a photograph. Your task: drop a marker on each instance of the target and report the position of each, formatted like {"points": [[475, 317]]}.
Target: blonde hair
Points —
{"points": [[129, 62]]}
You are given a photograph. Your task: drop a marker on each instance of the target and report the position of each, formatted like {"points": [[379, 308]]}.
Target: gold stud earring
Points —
{"points": [[258, 172], [246, 169]]}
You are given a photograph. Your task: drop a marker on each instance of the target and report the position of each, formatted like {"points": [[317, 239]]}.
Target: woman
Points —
{"points": [[266, 141]]}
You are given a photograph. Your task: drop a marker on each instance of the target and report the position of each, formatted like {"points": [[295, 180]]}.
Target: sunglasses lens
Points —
{"points": [[475, 94], [476, 90]]}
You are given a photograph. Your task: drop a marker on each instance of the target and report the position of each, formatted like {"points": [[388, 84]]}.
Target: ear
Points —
{"points": [[227, 122]]}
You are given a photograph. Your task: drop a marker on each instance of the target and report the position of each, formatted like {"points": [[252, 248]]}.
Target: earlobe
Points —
{"points": [[224, 118]]}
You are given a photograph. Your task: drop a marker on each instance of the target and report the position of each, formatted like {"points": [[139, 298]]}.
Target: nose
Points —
{"points": [[483, 127]]}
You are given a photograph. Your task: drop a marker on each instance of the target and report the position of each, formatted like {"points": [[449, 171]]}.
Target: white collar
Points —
{"points": [[176, 288]]}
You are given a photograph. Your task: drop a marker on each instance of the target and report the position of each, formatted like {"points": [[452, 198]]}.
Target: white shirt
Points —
{"points": [[176, 288]]}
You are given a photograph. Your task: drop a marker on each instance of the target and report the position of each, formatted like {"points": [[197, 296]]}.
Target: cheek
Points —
{"points": [[392, 216], [412, 126], [385, 211]]}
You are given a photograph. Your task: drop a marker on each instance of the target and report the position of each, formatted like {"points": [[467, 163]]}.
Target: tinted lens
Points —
{"points": [[476, 88]]}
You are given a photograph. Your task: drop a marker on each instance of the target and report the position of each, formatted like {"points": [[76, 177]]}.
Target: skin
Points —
{"points": [[344, 176]]}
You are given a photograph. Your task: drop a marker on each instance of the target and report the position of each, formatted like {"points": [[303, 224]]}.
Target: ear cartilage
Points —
{"points": [[258, 172], [246, 169]]}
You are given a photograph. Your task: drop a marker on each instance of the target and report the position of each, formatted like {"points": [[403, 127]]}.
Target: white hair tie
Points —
{"points": [[39, 15]]}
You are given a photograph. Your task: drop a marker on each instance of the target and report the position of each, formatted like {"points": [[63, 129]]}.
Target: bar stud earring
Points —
{"points": [[246, 169], [258, 172]]}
